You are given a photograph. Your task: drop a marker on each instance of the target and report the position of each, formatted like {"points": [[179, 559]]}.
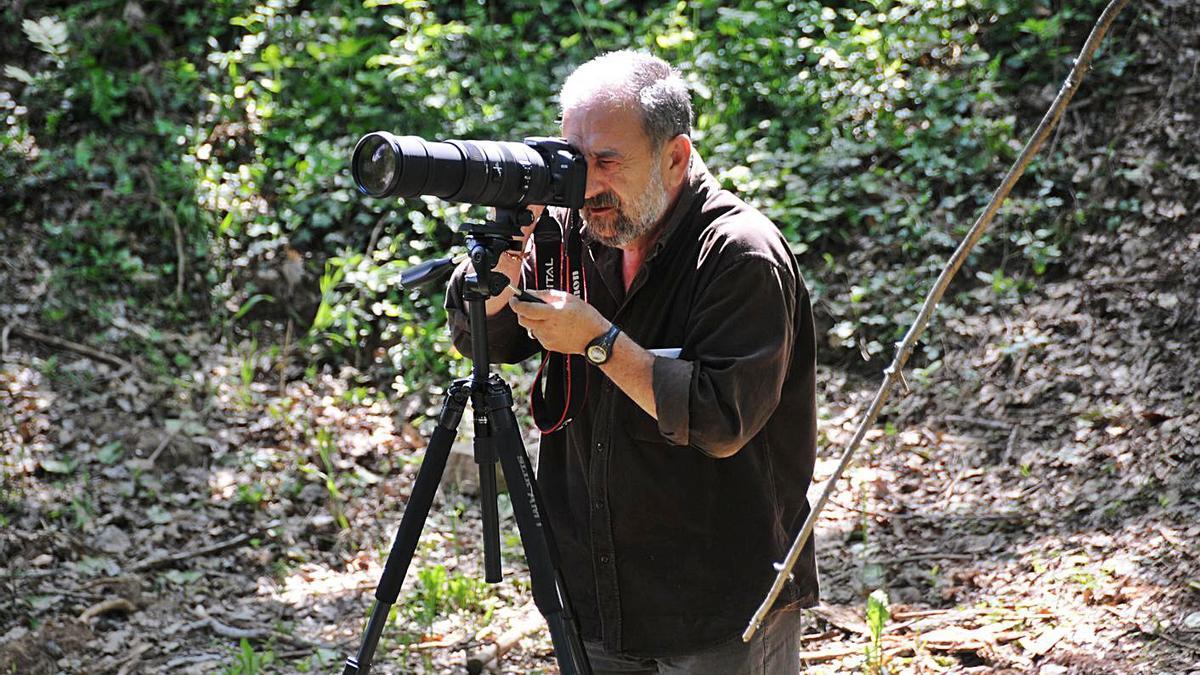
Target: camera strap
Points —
{"points": [[560, 386]]}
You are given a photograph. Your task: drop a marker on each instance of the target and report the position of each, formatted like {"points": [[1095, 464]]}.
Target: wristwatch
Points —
{"points": [[600, 349]]}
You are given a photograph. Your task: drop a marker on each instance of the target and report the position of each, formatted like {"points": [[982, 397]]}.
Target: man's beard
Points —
{"points": [[627, 223]]}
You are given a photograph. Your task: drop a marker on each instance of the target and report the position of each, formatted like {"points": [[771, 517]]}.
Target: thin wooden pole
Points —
{"points": [[905, 348]]}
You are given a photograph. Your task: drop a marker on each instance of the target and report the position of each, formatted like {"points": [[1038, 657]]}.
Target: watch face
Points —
{"points": [[597, 354]]}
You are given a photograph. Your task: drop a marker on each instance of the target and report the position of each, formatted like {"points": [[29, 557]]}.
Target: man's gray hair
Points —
{"points": [[632, 78]]}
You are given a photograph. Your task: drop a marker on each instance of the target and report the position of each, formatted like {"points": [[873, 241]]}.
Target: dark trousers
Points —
{"points": [[774, 650]]}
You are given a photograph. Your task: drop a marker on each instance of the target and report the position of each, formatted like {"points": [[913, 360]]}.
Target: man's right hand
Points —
{"points": [[510, 262]]}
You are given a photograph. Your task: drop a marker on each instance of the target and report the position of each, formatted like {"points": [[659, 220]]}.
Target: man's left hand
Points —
{"points": [[565, 324]]}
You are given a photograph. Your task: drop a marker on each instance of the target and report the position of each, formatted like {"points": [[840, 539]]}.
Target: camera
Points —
{"points": [[503, 174]]}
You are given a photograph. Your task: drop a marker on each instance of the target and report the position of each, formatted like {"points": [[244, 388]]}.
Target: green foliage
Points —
{"points": [[215, 136], [438, 593], [89, 144], [249, 662], [254, 495], [326, 449], [878, 614], [877, 127]]}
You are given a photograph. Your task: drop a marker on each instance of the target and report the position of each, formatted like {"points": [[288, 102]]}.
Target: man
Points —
{"points": [[680, 481]]}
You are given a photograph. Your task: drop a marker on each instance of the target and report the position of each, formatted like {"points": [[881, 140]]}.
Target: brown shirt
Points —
{"points": [[668, 529]]}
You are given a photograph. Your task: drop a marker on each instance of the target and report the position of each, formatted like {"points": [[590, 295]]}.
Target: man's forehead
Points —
{"points": [[604, 128]]}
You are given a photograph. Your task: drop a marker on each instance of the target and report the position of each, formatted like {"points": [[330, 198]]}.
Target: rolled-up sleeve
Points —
{"points": [[508, 342], [736, 355]]}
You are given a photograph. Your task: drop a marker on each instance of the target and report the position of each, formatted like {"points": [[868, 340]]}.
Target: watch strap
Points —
{"points": [[606, 342]]}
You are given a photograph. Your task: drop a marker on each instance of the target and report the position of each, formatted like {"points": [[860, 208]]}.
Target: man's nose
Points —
{"points": [[595, 185]]}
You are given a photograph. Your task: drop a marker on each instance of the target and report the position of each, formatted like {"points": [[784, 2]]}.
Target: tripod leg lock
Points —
{"points": [[456, 403], [498, 397]]}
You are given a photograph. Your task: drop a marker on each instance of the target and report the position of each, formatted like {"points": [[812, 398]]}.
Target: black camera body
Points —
{"points": [[503, 174]]}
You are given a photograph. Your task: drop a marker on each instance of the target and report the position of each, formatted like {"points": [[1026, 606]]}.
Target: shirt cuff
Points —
{"points": [[672, 384]]}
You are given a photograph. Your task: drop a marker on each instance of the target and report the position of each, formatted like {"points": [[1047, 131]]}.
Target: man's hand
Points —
{"points": [[510, 262], [535, 210], [565, 324]]}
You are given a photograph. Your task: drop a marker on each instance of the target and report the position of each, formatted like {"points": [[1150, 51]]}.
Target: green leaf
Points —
{"points": [[18, 74], [43, 602], [110, 454], [58, 466], [92, 566], [158, 515], [878, 613], [182, 577], [272, 57], [48, 34], [250, 303]]}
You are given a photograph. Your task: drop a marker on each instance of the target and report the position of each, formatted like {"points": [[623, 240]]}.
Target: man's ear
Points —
{"points": [[679, 152]]}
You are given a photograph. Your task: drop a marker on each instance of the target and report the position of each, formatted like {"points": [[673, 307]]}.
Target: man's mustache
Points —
{"points": [[601, 201]]}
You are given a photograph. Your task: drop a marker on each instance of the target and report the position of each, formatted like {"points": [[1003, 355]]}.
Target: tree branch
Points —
{"points": [[894, 372], [31, 334]]}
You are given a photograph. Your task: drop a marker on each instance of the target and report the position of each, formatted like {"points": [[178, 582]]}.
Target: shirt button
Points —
{"points": [[599, 447], [598, 504], [603, 560]]}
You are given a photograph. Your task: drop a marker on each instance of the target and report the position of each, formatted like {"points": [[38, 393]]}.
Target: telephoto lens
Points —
{"points": [[489, 173]]}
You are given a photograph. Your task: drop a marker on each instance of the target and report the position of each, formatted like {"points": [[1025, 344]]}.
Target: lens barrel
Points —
{"points": [[488, 173]]}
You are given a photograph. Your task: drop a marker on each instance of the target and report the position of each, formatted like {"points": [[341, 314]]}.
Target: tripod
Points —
{"points": [[497, 438]]}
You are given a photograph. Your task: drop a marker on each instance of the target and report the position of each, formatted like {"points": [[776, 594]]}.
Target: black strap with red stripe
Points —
{"points": [[560, 387]]}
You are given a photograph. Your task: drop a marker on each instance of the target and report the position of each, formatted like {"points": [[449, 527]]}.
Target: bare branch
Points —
{"points": [[218, 547], [38, 336]]}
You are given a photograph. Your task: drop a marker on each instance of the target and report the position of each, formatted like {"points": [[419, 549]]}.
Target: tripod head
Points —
{"points": [[486, 242]]}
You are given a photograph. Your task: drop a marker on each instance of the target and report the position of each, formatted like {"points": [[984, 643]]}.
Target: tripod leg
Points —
{"points": [[411, 524], [549, 591], [485, 458]]}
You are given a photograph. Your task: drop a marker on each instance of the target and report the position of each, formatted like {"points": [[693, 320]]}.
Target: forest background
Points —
{"points": [[206, 344]]}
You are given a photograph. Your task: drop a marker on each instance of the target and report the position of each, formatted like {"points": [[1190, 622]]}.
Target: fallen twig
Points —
{"points": [[161, 446], [132, 660], [38, 336], [895, 371], [979, 422], [107, 607], [225, 630], [817, 637], [889, 648], [905, 615], [1134, 626], [110, 581], [31, 574], [456, 638], [926, 556], [218, 547], [192, 659], [490, 655], [233, 632], [830, 653]]}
